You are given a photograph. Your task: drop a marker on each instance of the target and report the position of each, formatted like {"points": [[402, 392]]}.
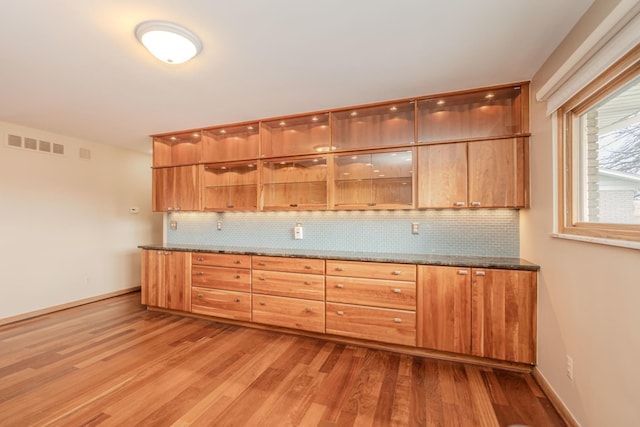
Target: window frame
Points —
{"points": [[623, 71]]}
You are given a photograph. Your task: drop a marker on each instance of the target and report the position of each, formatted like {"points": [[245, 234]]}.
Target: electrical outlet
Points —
{"points": [[415, 228], [219, 225], [297, 231], [173, 225], [570, 367]]}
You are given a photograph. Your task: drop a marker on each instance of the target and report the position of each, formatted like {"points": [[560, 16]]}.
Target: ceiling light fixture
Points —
{"points": [[168, 42]]}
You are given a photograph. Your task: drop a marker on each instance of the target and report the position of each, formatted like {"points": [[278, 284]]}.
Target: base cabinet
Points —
{"points": [[166, 279]]}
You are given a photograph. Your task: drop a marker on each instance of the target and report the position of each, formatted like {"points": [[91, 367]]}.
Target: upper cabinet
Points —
{"points": [[487, 113], [296, 136], [230, 187], [374, 127], [176, 189], [231, 143], [295, 184], [177, 149], [382, 180]]}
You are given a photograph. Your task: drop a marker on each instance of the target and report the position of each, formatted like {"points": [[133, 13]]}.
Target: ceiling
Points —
{"points": [[75, 67]]}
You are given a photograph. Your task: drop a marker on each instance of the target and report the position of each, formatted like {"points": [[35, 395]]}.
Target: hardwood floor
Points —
{"points": [[114, 363]]}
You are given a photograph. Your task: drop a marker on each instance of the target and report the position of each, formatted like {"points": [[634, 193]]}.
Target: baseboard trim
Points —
{"points": [[61, 307], [555, 400]]}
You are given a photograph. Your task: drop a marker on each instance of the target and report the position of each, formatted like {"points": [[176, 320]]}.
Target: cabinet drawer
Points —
{"points": [[221, 260], [227, 304], [377, 324], [376, 292], [234, 279], [372, 270], [294, 285], [292, 265], [288, 312]]}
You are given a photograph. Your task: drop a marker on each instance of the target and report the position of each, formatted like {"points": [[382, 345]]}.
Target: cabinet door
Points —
{"points": [[498, 173], [503, 310], [152, 283], [444, 308], [177, 280], [295, 184], [162, 194], [186, 188], [442, 175]]}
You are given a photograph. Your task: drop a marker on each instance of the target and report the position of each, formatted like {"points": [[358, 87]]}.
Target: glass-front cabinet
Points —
{"points": [[382, 180], [231, 143], [295, 184], [177, 149], [482, 114], [372, 127], [296, 136], [230, 187]]}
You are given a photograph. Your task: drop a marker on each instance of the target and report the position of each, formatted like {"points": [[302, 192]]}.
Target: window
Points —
{"points": [[600, 156]]}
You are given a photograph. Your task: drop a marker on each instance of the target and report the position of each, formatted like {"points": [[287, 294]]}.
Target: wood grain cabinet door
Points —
{"points": [[442, 176], [152, 279], [444, 308], [503, 311], [177, 280], [186, 188]]}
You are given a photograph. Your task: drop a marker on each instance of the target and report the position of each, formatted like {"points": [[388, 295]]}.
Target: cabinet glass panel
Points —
{"points": [[230, 187], [177, 149], [231, 143], [295, 136], [295, 184], [386, 125], [374, 180], [488, 113]]}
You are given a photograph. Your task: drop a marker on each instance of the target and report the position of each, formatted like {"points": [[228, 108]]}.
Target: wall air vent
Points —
{"points": [[33, 144], [85, 154]]}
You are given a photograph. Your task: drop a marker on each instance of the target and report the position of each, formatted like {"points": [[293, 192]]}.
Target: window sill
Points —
{"points": [[598, 240]]}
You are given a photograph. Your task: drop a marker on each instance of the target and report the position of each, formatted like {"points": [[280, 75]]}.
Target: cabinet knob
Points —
{"points": [[308, 309], [199, 295], [176, 209], [229, 206], [237, 276], [397, 290], [397, 320], [463, 272], [236, 261], [167, 253], [475, 203], [263, 303], [261, 263], [459, 204], [199, 273], [308, 267], [159, 252], [480, 273], [237, 300], [340, 313], [169, 209], [396, 272], [262, 278], [339, 269], [293, 205], [340, 285], [200, 258], [308, 283]]}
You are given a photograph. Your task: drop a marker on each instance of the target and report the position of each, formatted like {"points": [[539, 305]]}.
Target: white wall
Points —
{"points": [[65, 229], [589, 294]]}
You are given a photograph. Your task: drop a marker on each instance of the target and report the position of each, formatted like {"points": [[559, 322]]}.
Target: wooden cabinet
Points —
{"points": [[288, 292], [231, 143], [166, 279], [483, 312], [484, 174], [382, 180], [372, 301], [386, 125], [294, 136], [176, 189], [295, 184], [485, 113], [221, 285], [230, 187], [444, 308], [177, 149], [503, 310]]}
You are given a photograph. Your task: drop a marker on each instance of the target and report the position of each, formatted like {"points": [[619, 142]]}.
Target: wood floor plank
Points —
{"points": [[113, 363]]}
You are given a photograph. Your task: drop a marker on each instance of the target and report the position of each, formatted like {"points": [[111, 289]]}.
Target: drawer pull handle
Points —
{"points": [[308, 267], [262, 278], [263, 303], [340, 313], [169, 209], [167, 253], [236, 261], [480, 273], [463, 272], [237, 276], [308, 283], [459, 204], [199, 295], [308, 309], [397, 320], [339, 269], [397, 272], [200, 258], [475, 203], [237, 300], [397, 291], [159, 252], [199, 273], [262, 263], [340, 285], [176, 209], [229, 206]]}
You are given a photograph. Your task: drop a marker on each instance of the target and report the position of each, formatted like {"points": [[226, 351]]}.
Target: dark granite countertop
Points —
{"points": [[409, 258]]}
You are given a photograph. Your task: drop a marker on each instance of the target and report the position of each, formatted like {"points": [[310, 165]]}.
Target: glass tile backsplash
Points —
{"points": [[481, 232]]}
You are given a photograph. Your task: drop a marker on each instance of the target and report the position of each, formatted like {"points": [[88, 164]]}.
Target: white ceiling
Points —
{"points": [[74, 67]]}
